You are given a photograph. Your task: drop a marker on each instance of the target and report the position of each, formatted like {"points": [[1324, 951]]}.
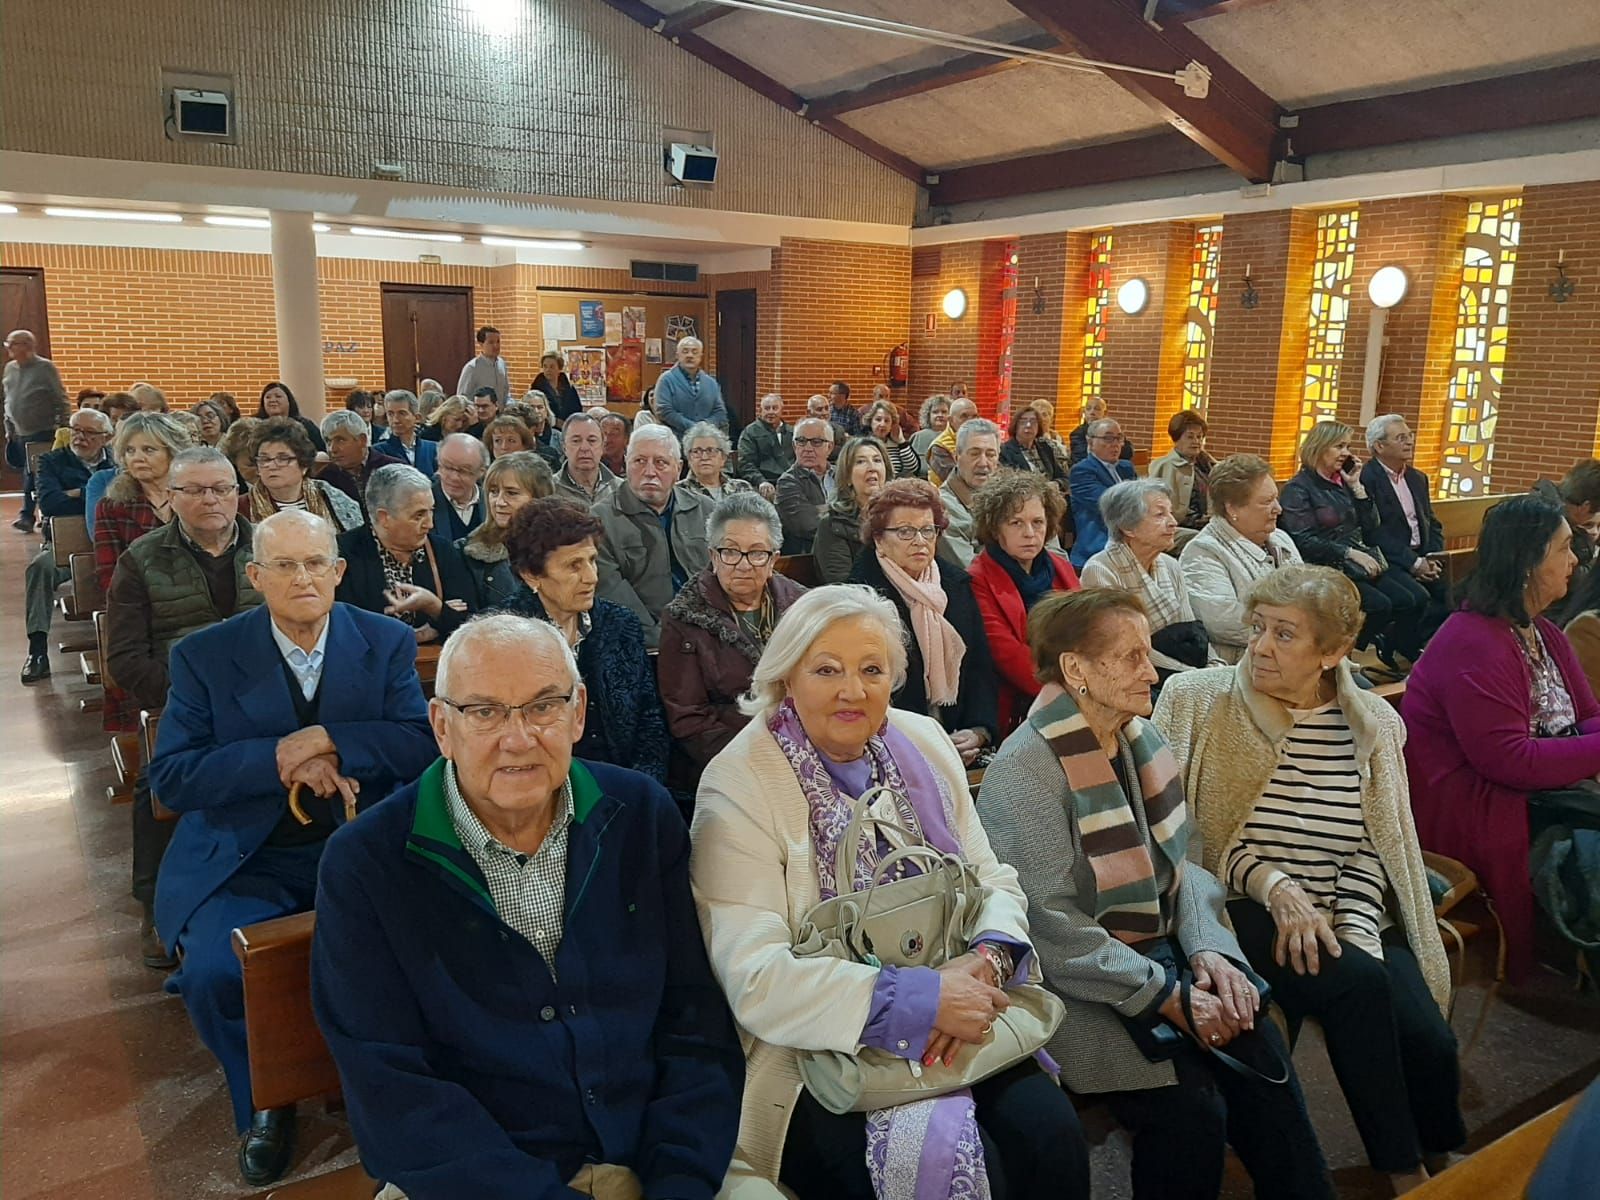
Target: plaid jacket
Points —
{"points": [[117, 525]]}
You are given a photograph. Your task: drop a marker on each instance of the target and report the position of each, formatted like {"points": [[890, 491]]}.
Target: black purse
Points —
{"points": [[1183, 640]]}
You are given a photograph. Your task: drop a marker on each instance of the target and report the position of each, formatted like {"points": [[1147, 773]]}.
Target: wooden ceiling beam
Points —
{"points": [[963, 68], [696, 16], [1110, 162]]}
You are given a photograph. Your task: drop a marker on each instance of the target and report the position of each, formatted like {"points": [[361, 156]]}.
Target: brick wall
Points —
{"points": [[1144, 350], [950, 352], [1036, 354], [1074, 299]]}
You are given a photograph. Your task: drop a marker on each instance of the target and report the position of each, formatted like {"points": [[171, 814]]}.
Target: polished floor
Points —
{"points": [[105, 1093]]}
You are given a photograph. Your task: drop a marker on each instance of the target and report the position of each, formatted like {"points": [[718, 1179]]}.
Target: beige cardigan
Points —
{"points": [[754, 880], [1226, 736]]}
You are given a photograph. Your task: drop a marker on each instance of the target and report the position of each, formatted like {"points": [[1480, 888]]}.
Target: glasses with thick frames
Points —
{"points": [[491, 717]]}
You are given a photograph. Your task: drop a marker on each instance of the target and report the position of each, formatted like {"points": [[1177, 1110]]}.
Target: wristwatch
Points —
{"points": [[998, 958]]}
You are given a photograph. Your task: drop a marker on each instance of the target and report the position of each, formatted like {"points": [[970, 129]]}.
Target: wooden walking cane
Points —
{"points": [[303, 817]]}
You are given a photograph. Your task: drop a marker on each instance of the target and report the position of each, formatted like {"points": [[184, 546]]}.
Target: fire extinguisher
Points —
{"points": [[900, 365]]}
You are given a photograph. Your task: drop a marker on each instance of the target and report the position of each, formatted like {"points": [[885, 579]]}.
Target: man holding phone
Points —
{"points": [[1409, 534]]}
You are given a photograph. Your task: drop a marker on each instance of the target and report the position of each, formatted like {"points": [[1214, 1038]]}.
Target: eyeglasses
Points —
{"points": [[468, 472], [1106, 437], [914, 533], [276, 460], [89, 432], [800, 441], [705, 451], [221, 491], [487, 717], [729, 557], [317, 568]]}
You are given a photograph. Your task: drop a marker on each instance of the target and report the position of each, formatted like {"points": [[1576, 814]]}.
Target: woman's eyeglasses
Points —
{"points": [[729, 557], [914, 533]]}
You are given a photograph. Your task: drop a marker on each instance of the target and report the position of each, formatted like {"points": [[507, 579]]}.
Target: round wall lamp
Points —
{"points": [[954, 304], [1133, 296], [1388, 286]]}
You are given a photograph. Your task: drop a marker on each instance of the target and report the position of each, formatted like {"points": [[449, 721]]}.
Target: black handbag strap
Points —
{"points": [[1237, 1065]]}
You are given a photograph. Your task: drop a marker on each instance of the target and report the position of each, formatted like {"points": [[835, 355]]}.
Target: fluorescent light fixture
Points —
{"points": [[1388, 286], [239, 222], [1133, 296], [109, 214], [410, 234], [531, 243], [319, 227], [954, 304], [8, 209]]}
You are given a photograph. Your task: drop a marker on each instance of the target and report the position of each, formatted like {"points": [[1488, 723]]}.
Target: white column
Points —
{"points": [[299, 313], [1372, 374]]}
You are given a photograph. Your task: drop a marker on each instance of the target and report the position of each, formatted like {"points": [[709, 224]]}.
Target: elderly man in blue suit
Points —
{"points": [[298, 691], [1090, 479]]}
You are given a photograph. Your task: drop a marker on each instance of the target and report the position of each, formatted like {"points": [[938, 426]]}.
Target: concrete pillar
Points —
{"points": [[299, 314]]}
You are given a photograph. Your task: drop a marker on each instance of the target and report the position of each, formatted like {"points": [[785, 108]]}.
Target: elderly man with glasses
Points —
{"points": [[507, 964], [1090, 479], [805, 487], [457, 498], [62, 476], [280, 724]]}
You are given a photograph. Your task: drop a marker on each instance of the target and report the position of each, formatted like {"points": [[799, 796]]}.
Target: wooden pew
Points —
{"points": [[1394, 693], [149, 723], [427, 667], [69, 536], [1462, 520], [289, 1060], [1503, 1168], [802, 568], [85, 597]]}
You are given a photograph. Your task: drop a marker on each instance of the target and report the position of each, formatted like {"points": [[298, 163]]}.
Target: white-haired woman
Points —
{"points": [[705, 449], [771, 811], [1142, 528]]}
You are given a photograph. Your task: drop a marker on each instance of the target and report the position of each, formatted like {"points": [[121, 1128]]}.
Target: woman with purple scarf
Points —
{"points": [[771, 810]]}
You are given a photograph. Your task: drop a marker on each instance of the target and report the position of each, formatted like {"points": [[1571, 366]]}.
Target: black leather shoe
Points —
{"points": [[156, 955], [265, 1150], [36, 668], [25, 524]]}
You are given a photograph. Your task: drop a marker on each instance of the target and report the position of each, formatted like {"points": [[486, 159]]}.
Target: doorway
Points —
{"points": [[22, 304], [427, 334], [736, 354]]}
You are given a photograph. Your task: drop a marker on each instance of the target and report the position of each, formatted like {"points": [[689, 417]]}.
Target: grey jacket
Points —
{"points": [[800, 501], [35, 398], [635, 562], [567, 489], [1032, 825], [765, 453]]}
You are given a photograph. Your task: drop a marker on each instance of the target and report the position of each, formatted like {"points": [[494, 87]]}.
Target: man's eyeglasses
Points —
{"points": [[89, 432], [914, 533], [800, 441], [317, 568], [276, 460], [487, 717], [194, 491], [729, 557], [1106, 437], [467, 472]]}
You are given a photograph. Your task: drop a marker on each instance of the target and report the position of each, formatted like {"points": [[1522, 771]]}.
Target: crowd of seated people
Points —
{"points": [[605, 636]]}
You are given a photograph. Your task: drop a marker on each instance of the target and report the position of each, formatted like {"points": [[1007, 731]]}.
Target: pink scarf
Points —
{"points": [[941, 646]]}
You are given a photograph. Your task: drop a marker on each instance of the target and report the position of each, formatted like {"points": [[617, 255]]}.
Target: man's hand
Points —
{"points": [[768, 493], [302, 746], [321, 775], [1426, 569]]}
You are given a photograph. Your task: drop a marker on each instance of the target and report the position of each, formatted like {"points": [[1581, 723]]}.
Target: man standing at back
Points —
{"points": [[299, 691], [1090, 480], [487, 369], [36, 406], [686, 395]]}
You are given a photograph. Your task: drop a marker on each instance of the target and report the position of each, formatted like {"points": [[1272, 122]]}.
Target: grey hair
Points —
{"points": [[744, 506], [827, 426], [389, 483], [578, 418], [106, 425], [199, 456], [401, 396], [289, 518], [346, 419], [1125, 504], [975, 427], [159, 426], [1377, 427], [804, 622], [964, 403], [691, 341], [1101, 427], [925, 414], [662, 435], [773, 396], [706, 429], [503, 631], [466, 439]]}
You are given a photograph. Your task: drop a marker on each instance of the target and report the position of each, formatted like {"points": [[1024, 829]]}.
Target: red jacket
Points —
{"points": [[1006, 622]]}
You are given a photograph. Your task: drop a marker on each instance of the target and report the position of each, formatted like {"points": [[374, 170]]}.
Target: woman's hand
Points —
{"points": [[1350, 472], [768, 493], [967, 1007], [409, 598], [1212, 1025], [1366, 562], [968, 743], [1215, 974], [1301, 927]]}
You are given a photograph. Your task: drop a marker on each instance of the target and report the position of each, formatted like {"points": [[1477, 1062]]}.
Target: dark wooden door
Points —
{"points": [[427, 334], [736, 353], [22, 304]]}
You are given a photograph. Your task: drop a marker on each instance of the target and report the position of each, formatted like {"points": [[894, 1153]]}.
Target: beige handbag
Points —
{"points": [[923, 920]]}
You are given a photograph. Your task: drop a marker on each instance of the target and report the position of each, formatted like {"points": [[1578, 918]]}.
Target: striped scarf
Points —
{"points": [[1126, 902]]}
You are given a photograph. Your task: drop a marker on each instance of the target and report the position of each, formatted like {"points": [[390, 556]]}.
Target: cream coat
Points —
{"points": [[1227, 736], [754, 880]]}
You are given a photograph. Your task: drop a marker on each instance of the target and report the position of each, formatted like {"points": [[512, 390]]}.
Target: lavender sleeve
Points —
{"points": [[905, 1001], [1021, 955]]}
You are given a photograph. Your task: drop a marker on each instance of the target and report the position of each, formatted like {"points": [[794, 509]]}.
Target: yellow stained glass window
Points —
{"points": [[1332, 272], [1094, 324], [1201, 318], [1494, 228]]}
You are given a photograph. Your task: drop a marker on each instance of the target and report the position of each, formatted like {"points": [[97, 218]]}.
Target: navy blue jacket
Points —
{"points": [[216, 752], [467, 1069], [62, 471], [447, 521], [427, 452], [1394, 531], [1091, 479]]}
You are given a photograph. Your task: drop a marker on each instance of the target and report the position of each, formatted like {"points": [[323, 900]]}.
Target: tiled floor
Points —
{"points": [[104, 1091]]}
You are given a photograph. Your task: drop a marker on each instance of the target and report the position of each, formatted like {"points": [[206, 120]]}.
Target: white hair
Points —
{"points": [[466, 439], [1377, 428], [347, 419], [102, 422], [827, 426], [805, 621], [1125, 504], [707, 429], [975, 427], [661, 435], [691, 341], [502, 631], [388, 484], [291, 518]]}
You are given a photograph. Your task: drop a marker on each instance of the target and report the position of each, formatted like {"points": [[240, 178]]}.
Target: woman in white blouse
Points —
{"points": [[1298, 784]]}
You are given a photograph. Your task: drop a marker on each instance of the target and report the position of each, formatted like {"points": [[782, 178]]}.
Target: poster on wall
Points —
{"points": [[592, 315], [560, 327], [586, 367], [633, 323], [613, 328], [678, 328], [625, 372], [652, 350]]}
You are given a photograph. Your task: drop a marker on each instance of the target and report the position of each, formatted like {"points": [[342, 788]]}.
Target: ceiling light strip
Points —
{"points": [[106, 214], [417, 235]]}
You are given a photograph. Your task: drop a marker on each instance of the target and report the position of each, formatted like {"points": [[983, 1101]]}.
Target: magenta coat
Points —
{"points": [[1472, 764]]}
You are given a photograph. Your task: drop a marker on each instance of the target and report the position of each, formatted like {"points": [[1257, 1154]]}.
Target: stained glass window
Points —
{"points": [[1203, 271], [1494, 227], [1094, 325], [1332, 271]]}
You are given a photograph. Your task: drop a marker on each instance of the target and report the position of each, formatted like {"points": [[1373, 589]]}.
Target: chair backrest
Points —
{"points": [[802, 568], [1461, 520], [289, 1061], [1394, 693], [69, 536], [87, 595], [102, 641], [36, 451], [427, 667]]}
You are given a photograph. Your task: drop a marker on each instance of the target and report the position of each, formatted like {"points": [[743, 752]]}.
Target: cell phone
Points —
{"points": [[1349, 463]]}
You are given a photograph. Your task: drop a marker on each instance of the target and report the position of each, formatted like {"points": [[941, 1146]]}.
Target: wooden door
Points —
{"points": [[736, 354], [22, 304], [427, 334]]}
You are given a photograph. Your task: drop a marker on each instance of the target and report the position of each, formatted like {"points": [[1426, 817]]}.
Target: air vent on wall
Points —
{"points": [[926, 261], [665, 272]]}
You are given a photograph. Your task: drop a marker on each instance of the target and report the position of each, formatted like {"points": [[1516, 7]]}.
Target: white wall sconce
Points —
{"points": [[1388, 286], [954, 304], [1133, 296]]}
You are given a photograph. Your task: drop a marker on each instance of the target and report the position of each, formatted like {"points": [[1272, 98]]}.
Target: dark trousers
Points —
{"points": [[1395, 604], [1390, 1046], [1180, 1133], [49, 435], [275, 882], [1033, 1145], [150, 838]]}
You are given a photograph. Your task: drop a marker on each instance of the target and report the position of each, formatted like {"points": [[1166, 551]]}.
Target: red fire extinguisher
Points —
{"points": [[900, 365]]}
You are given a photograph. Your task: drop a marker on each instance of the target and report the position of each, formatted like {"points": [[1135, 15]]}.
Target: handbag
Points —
{"points": [[921, 920], [1185, 641], [1355, 572]]}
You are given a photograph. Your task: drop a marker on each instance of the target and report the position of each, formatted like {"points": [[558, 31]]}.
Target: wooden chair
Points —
{"points": [[1463, 911], [1462, 521], [1394, 693], [427, 667], [149, 723], [1503, 1168], [86, 597], [289, 1060], [69, 536], [802, 568]]}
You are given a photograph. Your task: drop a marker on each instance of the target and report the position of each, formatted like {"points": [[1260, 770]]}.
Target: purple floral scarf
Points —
{"points": [[926, 1149]]}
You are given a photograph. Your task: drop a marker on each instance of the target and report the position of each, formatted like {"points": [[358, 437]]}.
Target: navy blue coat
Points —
{"points": [[469, 1070], [216, 752], [427, 452], [1091, 479], [62, 471]]}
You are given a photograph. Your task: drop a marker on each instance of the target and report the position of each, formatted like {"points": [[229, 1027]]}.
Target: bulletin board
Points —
{"points": [[627, 342]]}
